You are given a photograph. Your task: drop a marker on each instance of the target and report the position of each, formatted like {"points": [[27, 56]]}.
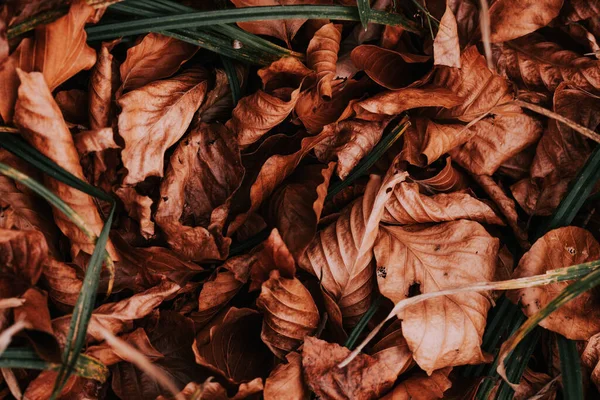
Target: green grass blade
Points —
{"points": [[363, 166], [364, 11], [232, 78], [211, 18], [570, 367], [87, 367], [519, 359], [362, 324]]}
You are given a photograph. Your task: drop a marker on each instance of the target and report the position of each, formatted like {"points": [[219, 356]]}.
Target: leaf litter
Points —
{"points": [[387, 187]]}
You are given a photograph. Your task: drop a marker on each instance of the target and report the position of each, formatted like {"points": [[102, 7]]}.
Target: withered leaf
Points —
{"points": [[139, 208], [235, 350], [322, 54], [392, 349], [63, 284], [341, 254], [73, 106], [364, 378], [447, 179], [286, 381], [94, 141], [203, 173], [408, 206], [108, 355], [543, 65], [590, 358], [290, 313], [576, 10], [101, 90], [155, 117], [560, 248], [296, 208], [510, 20], [155, 57], [419, 386], [438, 257], [389, 68], [42, 125], [446, 46], [23, 253]]}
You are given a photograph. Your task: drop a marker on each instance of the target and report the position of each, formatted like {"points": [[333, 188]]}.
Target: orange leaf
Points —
{"points": [[286, 381], [322, 54], [510, 20], [420, 386]]}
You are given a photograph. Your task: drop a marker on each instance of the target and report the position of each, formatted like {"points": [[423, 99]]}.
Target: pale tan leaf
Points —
{"points": [[290, 314], [438, 257], [42, 125], [408, 206], [578, 319], [286, 381], [94, 141], [510, 19], [155, 117], [154, 57], [446, 46]]}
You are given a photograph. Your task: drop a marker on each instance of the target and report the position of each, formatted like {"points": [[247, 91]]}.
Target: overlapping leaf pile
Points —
{"points": [[251, 239]]}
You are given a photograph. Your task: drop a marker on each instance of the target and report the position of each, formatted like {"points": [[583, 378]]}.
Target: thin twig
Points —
{"points": [[484, 24], [549, 277], [588, 133]]}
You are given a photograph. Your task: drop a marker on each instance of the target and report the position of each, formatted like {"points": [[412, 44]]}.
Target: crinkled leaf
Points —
{"points": [[322, 54], [510, 19]]}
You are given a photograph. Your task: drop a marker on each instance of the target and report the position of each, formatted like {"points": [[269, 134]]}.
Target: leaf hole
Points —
{"points": [[414, 289]]}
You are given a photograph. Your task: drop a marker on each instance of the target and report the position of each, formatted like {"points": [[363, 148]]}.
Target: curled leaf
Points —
{"points": [[408, 206], [102, 82], [139, 208], [556, 249], [322, 54], [63, 284], [510, 20], [154, 117], [94, 141], [154, 57], [203, 172], [290, 313], [435, 258], [420, 386], [286, 381], [42, 125]]}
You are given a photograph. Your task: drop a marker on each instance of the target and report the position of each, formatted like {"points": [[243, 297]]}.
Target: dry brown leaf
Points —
{"points": [[510, 20], [155, 117], [94, 141], [101, 90], [543, 65], [22, 253], [435, 258], [286, 381], [284, 29], [218, 103], [446, 46], [154, 57], [590, 358], [480, 88], [341, 254], [365, 378], [408, 206], [394, 102], [73, 106], [577, 10], [203, 173], [63, 284], [448, 179], [419, 386], [563, 247], [389, 68], [322, 54], [290, 314], [119, 316], [211, 390], [42, 125], [495, 140], [75, 387], [517, 167], [296, 208], [392, 349], [257, 113], [235, 350], [108, 355], [139, 208], [36, 315], [266, 168]]}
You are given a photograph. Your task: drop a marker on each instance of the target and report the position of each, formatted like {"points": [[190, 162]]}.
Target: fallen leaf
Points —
{"points": [[408, 206], [211, 390], [577, 10], [63, 284], [204, 171], [155, 117], [295, 209], [101, 90], [591, 357], [235, 350], [467, 19], [94, 141], [322, 55], [139, 208], [218, 103], [365, 378], [23, 253], [446, 46], [420, 386], [438, 257], [392, 349], [543, 65], [154, 57], [510, 20], [290, 314], [559, 248], [341, 254], [42, 125], [73, 106], [448, 179], [286, 381], [389, 68]]}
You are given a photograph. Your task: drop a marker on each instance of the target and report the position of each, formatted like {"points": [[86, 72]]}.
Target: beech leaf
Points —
{"points": [[510, 20], [322, 54], [446, 46], [286, 381]]}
